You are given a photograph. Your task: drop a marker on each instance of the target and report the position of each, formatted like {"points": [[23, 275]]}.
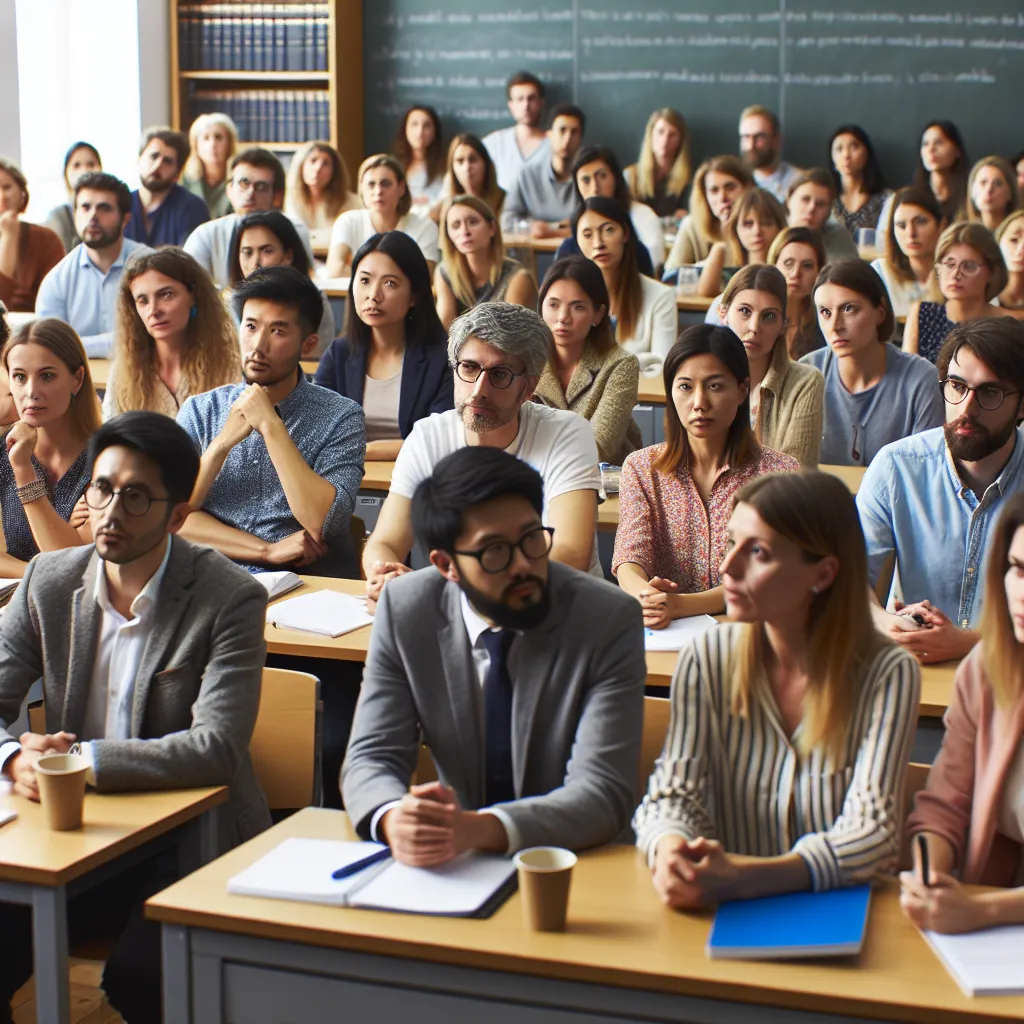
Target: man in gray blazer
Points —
{"points": [[524, 677], [151, 653]]}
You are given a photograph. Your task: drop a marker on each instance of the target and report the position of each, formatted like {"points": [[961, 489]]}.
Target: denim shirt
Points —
{"points": [[912, 501]]}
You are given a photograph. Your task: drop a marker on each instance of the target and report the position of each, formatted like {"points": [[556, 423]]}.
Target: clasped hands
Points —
{"points": [[427, 826], [251, 410], [20, 768], [656, 601], [690, 874], [379, 575], [934, 640]]}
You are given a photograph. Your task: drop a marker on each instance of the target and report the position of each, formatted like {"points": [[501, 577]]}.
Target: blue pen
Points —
{"points": [[364, 862]]}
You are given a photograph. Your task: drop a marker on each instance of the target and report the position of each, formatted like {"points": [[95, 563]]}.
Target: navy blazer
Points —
{"points": [[427, 385]]}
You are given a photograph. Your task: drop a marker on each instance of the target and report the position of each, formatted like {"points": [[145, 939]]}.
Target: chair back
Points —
{"points": [[37, 717], [913, 782], [656, 717]]}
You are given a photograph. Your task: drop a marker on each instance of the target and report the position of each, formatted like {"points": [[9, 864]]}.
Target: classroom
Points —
{"points": [[511, 511]]}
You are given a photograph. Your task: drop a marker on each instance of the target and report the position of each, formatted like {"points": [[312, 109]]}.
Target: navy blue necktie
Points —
{"points": [[499, 784]]}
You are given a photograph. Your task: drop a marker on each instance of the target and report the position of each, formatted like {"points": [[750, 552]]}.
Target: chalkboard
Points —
{"points": [[889, 68]]}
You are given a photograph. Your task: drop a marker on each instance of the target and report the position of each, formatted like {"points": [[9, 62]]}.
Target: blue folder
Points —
{"points": [[799, 924]]}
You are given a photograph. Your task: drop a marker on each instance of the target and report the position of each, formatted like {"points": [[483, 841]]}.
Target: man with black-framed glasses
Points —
{"points": [[523, 677], [933, 499]]}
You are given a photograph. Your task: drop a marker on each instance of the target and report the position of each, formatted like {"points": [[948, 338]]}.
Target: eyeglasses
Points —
{"points": [[499, 377], [966, 267], [136, 501], [497, 557], [989, 396], [261, 188]]}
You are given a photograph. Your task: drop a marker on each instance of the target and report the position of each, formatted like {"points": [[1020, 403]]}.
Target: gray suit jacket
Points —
{"points": [[197, 691], [577, 708]]}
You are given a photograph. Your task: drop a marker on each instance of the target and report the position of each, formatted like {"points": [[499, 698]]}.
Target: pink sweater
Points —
{"points": [[965, 786]]}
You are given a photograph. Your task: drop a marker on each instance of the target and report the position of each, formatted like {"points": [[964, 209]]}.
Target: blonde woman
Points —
{"points": [[44, 465], [471, 172], [1010, 236], [212, 142], [474, 267], [992, 193], [818, 709], [318, 189], [661, 174], [173, 337]]}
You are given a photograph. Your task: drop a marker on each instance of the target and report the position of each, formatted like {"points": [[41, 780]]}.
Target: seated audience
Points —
{"points": [[785, 397], [954, 480], [586, 372], [817, 708], [874, 392], [495, 616], [675, 498], [255, 185], [525, 141], [470, 173], [799, 254], [168, 702], [82, 289], [387, 201], [163, 212], [174, 337], [419, 148], [44, 466], [942, 168], [969, 813], [992, 193], [969, 273], [644, 310], [859, 183], [1010, 236], [911, 233], [394, 359], [81, 158], [318, 188], [270, 239], [474, 267], [27, 251], [662, 172], [717, 186], [499, 352], [809, 204], [212, 141], [761, 150], [281, 458], [544, 189]]}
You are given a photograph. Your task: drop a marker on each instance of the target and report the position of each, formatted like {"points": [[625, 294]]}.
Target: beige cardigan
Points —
{"points": [[602, 389], [791, 408]]}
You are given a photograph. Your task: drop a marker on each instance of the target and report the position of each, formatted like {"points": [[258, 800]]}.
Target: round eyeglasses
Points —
{"points": [[497, 557], [99, 494], [499, 377], [989, 396]]}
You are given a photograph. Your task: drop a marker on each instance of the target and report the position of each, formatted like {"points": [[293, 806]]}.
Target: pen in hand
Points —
{"points": [[364, 862], [922, 849]]}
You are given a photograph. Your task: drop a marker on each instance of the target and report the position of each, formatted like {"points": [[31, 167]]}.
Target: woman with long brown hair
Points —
{"points": [[318, 189], [420, 150], [173, 337], [992, 193], [799, 255], [471, 172], [791, 725]]}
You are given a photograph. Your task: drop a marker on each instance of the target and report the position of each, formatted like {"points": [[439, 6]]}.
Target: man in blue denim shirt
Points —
{"points": [[933, 498]]}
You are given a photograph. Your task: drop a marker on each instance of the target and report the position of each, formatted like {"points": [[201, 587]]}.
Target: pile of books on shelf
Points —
{"points": [[269, 115]]}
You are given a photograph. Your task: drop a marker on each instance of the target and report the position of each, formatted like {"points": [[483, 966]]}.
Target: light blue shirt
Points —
{"points": [[913, 502], [79, 293]]}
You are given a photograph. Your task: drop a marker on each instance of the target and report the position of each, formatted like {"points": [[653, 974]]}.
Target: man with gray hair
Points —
{"points": [[497, 351]]}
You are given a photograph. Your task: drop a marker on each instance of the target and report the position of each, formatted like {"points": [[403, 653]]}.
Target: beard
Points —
{"points": [[156, 184], [484, 423], [101, 240], [756, 159], [982, 444], [505, 616]]}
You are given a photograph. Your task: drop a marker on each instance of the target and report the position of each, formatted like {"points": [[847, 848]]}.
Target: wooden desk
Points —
{"points": [[335, 288], [850, 475], [377, 476], [513, 241], [694, 303], [43, 868], [100, 371], [624, 957], [651, 390]]}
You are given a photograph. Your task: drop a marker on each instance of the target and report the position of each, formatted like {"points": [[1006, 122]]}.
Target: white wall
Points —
{"points": [[154, 61], [10, 122]]}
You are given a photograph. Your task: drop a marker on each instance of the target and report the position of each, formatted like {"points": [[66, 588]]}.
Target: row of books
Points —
{"points": [[254, 37], [269, 115]]}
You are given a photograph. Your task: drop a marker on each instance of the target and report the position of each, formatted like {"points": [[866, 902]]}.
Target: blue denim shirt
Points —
{"points": [[912, 501]]}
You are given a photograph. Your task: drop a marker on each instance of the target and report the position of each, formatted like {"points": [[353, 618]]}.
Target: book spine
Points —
{"points": [[280, 38], [321, 50], [247, 44], [309, 42]]}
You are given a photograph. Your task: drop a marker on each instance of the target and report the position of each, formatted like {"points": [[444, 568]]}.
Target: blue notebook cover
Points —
{"points": [[799, 924]]}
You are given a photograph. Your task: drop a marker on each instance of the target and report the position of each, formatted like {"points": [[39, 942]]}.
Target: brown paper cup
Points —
{"points": [[545, 873], [61, 780]]}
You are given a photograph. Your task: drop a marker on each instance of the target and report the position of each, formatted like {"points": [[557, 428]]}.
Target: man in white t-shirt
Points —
{"points": [[513, 148], [498, 351]]}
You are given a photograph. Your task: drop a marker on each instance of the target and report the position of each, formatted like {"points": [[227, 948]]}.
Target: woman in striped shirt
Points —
{"points": [[791, 726]]}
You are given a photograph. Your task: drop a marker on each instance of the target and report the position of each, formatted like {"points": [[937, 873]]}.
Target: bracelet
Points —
{"points": [[28, 493]]}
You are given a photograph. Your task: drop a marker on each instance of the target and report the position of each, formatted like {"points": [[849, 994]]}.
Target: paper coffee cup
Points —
{"points": [[61, 781], [545, 874]]}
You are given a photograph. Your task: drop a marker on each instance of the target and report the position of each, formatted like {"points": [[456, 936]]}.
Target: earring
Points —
{"points": [[192, 313], [814, 590]]}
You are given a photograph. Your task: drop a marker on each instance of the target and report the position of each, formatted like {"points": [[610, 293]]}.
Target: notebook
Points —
{"points": [[277, 583], [798, 924], [301, 869], [7, 815], [678, 633], [985, 963], [325, 612]]}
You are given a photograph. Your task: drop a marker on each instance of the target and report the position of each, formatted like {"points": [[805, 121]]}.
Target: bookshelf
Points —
{"points": [[285, 72]]}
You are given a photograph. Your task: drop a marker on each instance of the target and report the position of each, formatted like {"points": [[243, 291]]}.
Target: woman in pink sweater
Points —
{"points": [[971, 812]]}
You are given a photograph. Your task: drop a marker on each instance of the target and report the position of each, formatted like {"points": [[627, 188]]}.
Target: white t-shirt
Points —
{"points": [[558, 444], [354, 227]]}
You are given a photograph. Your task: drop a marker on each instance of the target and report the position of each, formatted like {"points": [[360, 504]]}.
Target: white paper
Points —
{"points": [[325, 612], [7, 815], [985, 963], [277, 583], [678, 633]]}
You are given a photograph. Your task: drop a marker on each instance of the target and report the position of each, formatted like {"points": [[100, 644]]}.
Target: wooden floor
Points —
{"points": [[88, 1003]]}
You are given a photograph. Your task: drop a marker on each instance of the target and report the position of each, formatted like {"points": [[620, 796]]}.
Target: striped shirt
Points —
{"points": [[744, 782]]}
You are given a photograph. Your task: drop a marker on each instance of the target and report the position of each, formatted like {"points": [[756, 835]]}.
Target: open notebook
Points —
{"points": [[301, 869], [985, 963], [325, 612], [277, 583], [678, 633]]}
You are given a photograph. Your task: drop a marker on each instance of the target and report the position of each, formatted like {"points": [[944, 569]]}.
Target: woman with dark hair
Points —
{"points": [[393, 359], [860, 185], [675, 498], [420, 150], [269, 239], [942, 167], [799, 255], [81, 158], [971, 810], [809, 204], [586, 372], [471, 172], [875, 393]]}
